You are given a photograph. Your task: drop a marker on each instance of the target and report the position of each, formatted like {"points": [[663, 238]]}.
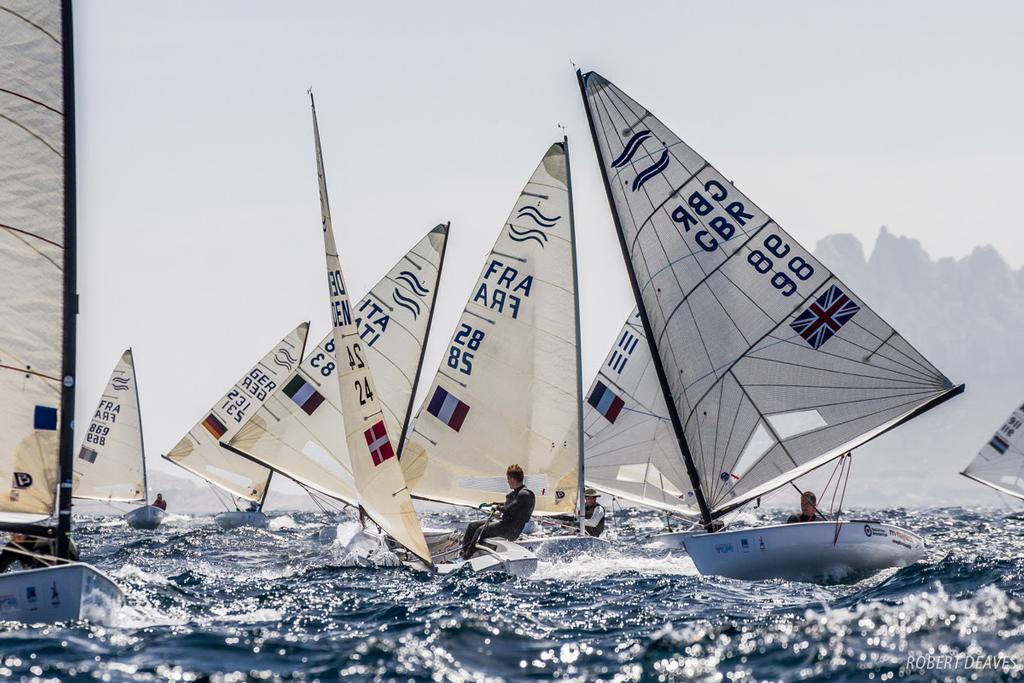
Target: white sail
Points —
{"points": [[297, 431], [382, 492], [199, 451], [1000, 463], [110, 463], [507, 389], [32, 255], [630, 448], [772, 364]]}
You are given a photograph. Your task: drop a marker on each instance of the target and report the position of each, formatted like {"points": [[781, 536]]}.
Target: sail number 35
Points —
{"points": [[782, 280]]}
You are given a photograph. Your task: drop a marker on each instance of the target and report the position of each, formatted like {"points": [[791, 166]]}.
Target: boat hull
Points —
{"points": [[492, 555], [810, 551], [63, 593], [242, 518], [146, 517]]}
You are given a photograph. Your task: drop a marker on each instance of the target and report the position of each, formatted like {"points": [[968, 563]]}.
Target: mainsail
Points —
{"points": [[507, 390], [111, 461], [200, 452], [37, 260], [296, 432], [1000, 463], [771, 366], [631, 450], [377, 476]]}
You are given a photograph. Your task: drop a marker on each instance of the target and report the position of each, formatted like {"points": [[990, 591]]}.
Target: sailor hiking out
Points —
{"points": [[515, 513]]}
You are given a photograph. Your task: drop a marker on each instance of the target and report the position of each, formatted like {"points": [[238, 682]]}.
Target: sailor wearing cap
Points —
{"points": [[594, 511]]}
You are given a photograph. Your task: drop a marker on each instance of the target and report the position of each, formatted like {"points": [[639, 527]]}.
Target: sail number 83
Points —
{"points": [[783, 281], [465, 344]]}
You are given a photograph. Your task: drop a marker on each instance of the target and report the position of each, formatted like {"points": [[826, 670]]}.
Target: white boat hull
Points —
{"points": [[146, 517], [492, 555], [63, 593], [809, 551], [240, 518]]}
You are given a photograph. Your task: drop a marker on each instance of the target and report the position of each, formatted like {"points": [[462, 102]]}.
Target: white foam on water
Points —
{"points": [[131, 572], [590, 567], [283, 522]]}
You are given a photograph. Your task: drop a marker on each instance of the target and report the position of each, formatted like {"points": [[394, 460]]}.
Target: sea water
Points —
{"points": [[274, 604]]}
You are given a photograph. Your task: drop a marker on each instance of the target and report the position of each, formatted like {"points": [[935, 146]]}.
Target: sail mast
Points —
{"points": [[677, 425], [580, 483], [142, 439], [66, 461], [423, 349]]}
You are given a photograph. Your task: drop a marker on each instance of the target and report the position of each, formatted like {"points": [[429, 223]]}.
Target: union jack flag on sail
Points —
{"points": [[823, 318]]}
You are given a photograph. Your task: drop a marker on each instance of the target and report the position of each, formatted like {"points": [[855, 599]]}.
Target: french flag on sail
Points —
{"points": [[606, 402], [448, 409], [999, 444]]}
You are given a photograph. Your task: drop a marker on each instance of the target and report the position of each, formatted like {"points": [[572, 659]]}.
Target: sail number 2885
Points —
{"points": [[798, 268], [464, 346]]}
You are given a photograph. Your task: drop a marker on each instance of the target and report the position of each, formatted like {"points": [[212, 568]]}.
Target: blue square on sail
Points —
{"points": [[826, 316], [45, 418], [999, 444]]}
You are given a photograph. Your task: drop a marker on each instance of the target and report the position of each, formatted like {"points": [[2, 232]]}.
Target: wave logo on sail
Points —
{"points": [[406, 302], [630, 150], [120, 383], [534, 214], [520, 234], [284, 359], [412, 283], [826, 316]]}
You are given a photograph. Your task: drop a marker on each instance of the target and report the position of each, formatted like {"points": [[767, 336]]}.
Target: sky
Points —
{"points": [[199, 228]]}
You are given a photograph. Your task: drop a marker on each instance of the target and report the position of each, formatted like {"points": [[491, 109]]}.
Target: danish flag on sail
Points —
{"points": [[379, 443], [825, 317]]}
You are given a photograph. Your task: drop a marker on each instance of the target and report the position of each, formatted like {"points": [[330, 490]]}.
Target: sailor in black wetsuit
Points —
{"points": [[515, 513], [808, 509]]}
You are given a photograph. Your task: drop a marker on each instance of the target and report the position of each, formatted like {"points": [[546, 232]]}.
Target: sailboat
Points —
{"points": [[631, 449], [199, 451], [508, 389], [38, 319], [111, 463], [295, 433], [769, 365], [1000, 462]]}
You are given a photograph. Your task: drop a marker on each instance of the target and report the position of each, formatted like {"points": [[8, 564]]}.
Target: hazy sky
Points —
{"points": [[199, 221]]}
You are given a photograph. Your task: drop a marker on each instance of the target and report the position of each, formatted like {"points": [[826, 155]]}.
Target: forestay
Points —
{"points": [[1000, 463], [382, 492], [200, 452], [32, 255], [631, 450], [507, 389], [773, 365], [297, 431], [111, 464]]}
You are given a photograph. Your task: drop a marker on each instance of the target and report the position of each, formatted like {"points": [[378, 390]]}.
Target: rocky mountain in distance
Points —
{"points": [[967, 317]]}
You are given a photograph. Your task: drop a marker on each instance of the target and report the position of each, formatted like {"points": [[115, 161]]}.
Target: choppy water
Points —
{"points": [[273, 604]]}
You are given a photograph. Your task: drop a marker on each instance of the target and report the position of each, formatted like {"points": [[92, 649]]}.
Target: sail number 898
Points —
{"points": [[782, 281], [464, 345]]}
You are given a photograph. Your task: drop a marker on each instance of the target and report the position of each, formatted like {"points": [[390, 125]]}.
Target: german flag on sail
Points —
{"points": [[214, 426], [605, 402], [304, 395]]}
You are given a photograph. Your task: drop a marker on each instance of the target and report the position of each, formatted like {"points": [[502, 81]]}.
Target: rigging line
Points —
{"points": [[31, 234], [32, 133], [32, 100], [849, 465], [32, 24], [910, 381], [30, 372]]}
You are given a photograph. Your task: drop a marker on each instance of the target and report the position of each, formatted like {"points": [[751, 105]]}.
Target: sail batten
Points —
{"points": [[746, 327]]}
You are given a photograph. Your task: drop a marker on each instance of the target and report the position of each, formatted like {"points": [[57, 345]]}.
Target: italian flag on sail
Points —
{"points": [[304, 395]]}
